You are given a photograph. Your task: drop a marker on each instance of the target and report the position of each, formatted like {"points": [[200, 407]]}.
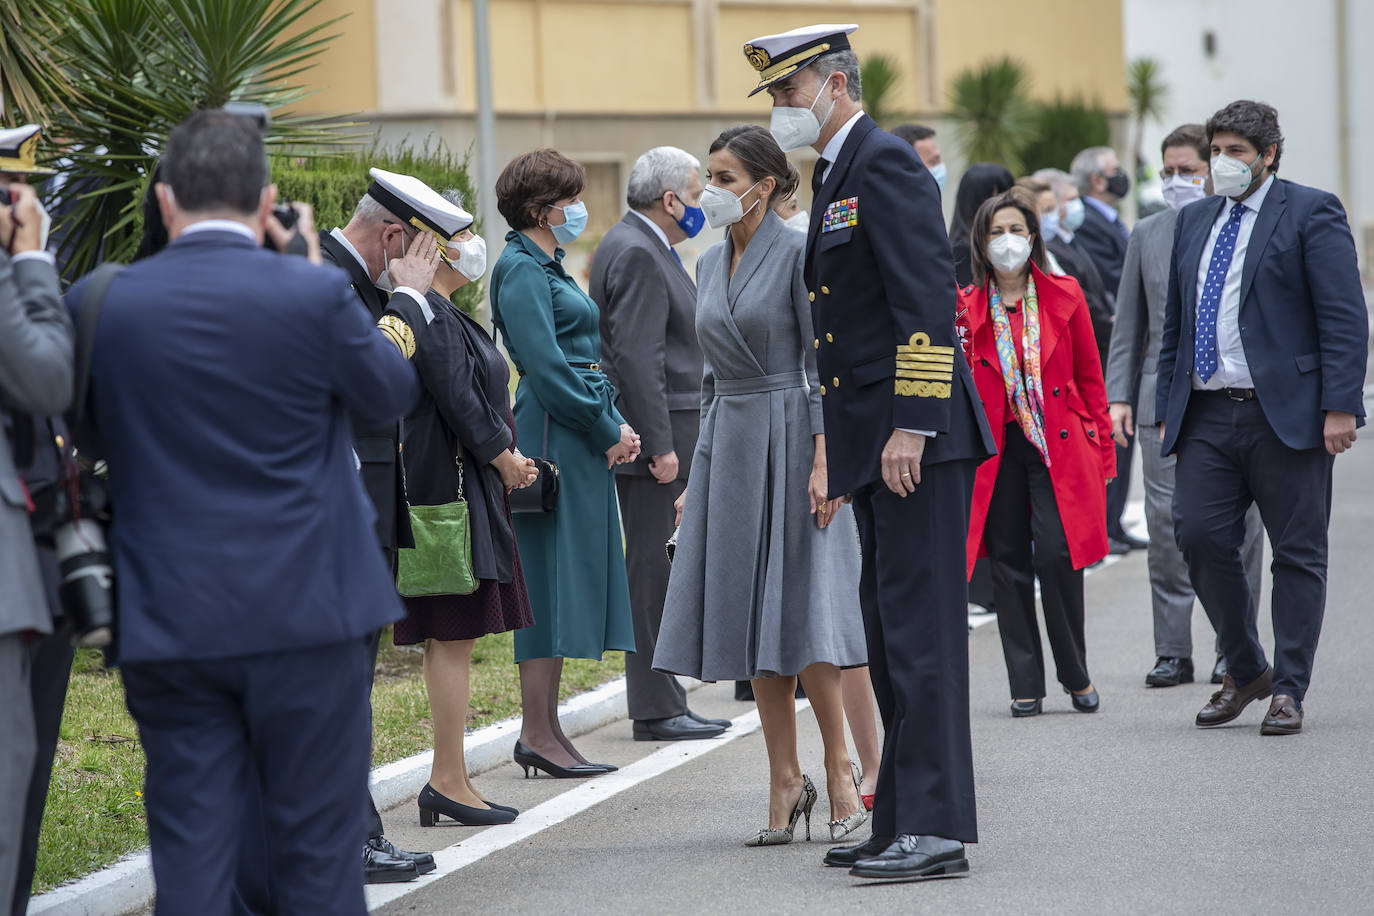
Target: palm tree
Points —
{"points": [[1148, 93], [142, 66], [32, 76], [995, 117], [880, 75]]}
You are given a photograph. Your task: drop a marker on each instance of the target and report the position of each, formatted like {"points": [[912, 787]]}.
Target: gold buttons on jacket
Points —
{"points": [[818, 343], [835, 382], [822, 391], [812, 296], [825, 290], [829, 338]]}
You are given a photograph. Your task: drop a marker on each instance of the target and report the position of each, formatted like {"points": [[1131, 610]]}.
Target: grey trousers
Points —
{"points": [[1171, 592], [646, 511], [17, 750]]}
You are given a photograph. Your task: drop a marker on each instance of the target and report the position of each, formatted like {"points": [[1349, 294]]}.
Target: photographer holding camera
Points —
{"points": [[221, 386], [35, 379]]}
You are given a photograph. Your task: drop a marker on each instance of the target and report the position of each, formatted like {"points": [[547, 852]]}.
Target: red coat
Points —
{"points": [[1078, 428]]}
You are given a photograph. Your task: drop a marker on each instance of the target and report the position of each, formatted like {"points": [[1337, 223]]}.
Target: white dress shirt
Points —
{"points": [[658, 230], [1232, 369], [419, 297], [222, 225]]}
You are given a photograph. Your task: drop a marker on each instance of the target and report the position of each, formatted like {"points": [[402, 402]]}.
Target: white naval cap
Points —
{"points": [[779, 56], [418, 204], [19, 150]]}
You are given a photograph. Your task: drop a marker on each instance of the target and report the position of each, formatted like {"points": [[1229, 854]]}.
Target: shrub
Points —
{"points": [[1062, 128]]}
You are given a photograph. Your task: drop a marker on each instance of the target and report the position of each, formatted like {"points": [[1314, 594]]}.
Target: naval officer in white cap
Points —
{"points": [[389, 249], [904, 433]]}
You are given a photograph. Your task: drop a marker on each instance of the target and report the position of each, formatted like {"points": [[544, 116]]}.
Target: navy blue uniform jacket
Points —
{"points": [[221, 386], [880, 275], [1303, 321]]}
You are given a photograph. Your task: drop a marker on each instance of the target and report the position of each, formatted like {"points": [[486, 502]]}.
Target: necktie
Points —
{"points": [[1209, 303], [677, 257], [818, 176]]}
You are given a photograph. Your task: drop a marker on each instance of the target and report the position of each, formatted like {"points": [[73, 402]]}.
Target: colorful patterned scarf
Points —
{"points": [[1023, 387]]}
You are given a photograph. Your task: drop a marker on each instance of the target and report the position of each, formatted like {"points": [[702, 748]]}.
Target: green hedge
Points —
{"points": [[333, 185], [1062, 128]]}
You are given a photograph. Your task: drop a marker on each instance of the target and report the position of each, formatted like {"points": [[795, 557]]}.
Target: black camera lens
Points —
{"points": [[87, 583]]}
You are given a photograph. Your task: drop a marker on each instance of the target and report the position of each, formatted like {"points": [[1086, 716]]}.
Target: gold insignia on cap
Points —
{"points": [[399, 333], [758, 58], [924, 370]]}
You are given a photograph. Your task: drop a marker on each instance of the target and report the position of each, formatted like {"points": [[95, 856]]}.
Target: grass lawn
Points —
{"points": [[95, 805]]}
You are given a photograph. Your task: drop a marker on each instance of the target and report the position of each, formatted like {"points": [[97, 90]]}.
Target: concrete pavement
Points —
{"points": [[1130, 810]]}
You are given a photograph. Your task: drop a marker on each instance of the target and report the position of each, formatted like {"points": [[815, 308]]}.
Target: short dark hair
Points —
{"points": [[532, 182], [1022, 200], [912, 133], [215, 160], [1188, 135], [761, 157], [1255, 121]]}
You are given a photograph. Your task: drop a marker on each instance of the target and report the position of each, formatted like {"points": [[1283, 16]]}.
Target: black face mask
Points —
{"points": [[1118, 185]]}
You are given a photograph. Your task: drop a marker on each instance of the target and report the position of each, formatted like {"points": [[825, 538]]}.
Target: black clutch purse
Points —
{"points": [[542, 495]]}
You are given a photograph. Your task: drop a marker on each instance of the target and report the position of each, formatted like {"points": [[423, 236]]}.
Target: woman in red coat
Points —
{"points": [[1039, 506]]}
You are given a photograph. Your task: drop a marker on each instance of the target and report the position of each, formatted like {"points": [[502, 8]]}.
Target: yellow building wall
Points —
{"points": [[1068, 46], [345, 74]]}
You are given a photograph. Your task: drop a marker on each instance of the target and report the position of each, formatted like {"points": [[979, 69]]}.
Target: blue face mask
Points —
{"points": [[693, 219], [1049, 224], [1073, 214], [940, 173], [574, 222]]}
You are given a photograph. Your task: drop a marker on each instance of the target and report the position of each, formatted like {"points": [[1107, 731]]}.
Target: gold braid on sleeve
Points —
{"points": [[399, 333], [924, 370]]}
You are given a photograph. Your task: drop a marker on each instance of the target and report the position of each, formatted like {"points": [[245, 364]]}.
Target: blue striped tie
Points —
{"points": [[1209, 303]]}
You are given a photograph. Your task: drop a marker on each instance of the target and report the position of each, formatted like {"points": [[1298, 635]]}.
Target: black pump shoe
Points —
{"points": [[432, 805], [1088, 702], [529, 760], [1021, 709]]}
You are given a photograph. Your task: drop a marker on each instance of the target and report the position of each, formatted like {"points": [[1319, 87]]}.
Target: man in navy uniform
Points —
{"points": [[378, 250], [248, 577], [1261, 384], [905, 432]]}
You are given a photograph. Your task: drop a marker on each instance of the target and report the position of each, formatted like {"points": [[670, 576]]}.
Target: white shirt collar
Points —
{"points": [[832, 149], [658, 230], [338, 235], [221, 225], [1105, 209], [1254, 201]]}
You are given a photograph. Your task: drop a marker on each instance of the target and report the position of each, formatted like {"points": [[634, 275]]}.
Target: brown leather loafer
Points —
{"points": [[1284, 717], [1230, 701]]}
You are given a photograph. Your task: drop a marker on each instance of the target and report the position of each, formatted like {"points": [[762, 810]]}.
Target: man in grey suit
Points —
{"points": [[35, 379], [650, 353], [1131, 380]]}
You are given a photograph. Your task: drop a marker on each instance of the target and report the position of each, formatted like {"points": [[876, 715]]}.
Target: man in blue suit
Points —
{"points": [[1261, 383], [247, 571]]}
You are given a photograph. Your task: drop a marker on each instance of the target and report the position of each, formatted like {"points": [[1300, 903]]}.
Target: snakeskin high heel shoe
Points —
{"points": [[844, 827], [781, 836]]}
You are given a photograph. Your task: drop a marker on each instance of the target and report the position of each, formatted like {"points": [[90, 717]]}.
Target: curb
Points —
{"points": [[127, 886]]}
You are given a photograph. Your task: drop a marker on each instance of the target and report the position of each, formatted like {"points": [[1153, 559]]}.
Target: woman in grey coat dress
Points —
{"points": [[765, 580]]}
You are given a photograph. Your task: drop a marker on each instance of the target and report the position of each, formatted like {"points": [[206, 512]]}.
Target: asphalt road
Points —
{"points": [[1130, 810]]}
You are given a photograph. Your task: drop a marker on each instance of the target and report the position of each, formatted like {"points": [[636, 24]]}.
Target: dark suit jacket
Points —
{"points": [[221, 384], [1079, 265], [1303, 320], [1105, 242], [649, 346], [378, 444], [881, 283]]}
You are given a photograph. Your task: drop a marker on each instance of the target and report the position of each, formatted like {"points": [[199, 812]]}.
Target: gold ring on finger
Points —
{"points": [[906, 473]]}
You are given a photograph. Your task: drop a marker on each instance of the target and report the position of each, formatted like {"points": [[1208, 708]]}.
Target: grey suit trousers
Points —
{"points": [[1170, 589], [646, 511], [17, 750]]}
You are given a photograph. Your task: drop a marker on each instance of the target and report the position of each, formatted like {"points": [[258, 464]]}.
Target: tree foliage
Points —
{"points": [[991, 107], [880, 75], [1062, 128]]}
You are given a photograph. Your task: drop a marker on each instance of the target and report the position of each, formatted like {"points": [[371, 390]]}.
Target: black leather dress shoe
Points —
{"points": [[1219, 670], [1021, 709], [384, 868], [1117, 548], [915, 857], [723, 723], [424, 861], [678, 728], [1170, 672], [1088, 702], [1133, 542], [846, 856]]}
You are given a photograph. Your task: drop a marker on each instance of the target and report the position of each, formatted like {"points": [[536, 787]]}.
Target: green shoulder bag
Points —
{"points": [[440, 563]]}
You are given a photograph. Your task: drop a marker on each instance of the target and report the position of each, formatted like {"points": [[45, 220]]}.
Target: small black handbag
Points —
{"points": [[542, 495]]}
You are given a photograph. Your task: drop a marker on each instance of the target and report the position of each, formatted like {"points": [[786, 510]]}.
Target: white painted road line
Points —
{"points": [[558, 809]]}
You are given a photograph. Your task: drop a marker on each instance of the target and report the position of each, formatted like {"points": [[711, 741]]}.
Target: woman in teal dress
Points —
{"points": [[572, 557]]}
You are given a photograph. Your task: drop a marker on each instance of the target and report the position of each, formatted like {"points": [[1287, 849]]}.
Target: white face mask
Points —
{"points": [[1073, 214], [801, 221], [470, 259], [1009, 253], [1231, 177], [794, 128], [1181, 190], [722, 208], [384, 281]]}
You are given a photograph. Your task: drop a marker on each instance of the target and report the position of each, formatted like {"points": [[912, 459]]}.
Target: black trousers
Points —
{"points": [[914, 597], [287, 728], [1119, 489], [646, 510], [374, 645], [1025, 540], [1228, 458]]}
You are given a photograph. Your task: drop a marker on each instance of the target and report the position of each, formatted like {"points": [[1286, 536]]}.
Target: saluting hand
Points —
{"points": [[902, 461], [416, 269]]}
